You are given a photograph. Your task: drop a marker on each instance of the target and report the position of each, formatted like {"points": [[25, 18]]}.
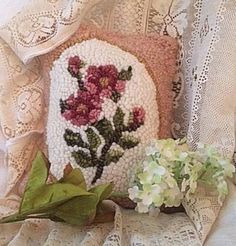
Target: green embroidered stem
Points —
{"points": [[102, 162], [125, 143], [111, 136]]}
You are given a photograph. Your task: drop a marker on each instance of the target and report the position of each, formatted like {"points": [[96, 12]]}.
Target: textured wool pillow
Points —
{"points": [[109, 95]]}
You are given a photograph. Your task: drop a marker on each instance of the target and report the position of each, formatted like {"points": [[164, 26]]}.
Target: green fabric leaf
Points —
{"points": [[37, 178], [93, 138], [113, 156], [13, 218], [103, 191], [74, 139], [78, 211], [128, 142], [63, 201], [104, 127], [118, 118], [75, 177], [46, 199], [19, 217], [83, 159], [125, 74], [50, 196]]}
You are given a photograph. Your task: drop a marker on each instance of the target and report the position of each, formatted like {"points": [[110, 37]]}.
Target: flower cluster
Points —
{"points": [[74, 66], [100, 82], [172, 171], [136, 118], [82, 109], [103, 80]]}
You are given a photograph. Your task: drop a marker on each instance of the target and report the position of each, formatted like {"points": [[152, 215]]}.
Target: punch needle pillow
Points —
{"points": [[109, 95]]}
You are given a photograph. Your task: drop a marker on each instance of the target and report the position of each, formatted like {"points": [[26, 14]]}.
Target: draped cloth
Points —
{"points": [[35, 27]]}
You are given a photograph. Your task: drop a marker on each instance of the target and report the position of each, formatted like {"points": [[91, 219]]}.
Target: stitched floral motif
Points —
{"points": [[84, 108], [103, 104]]}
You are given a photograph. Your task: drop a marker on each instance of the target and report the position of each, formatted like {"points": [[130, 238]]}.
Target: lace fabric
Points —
{"points": [[42, 22], [129, 228], [21, 113], [203, 38], [222, 231], [214, 103]]}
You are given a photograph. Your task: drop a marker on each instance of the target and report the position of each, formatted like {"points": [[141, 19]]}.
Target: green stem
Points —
{"points": [[101, 161], [120, 194], [39, 216], [19, 217]]}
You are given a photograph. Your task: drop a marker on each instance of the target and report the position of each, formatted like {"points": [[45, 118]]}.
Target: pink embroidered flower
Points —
{"points": [[94, 115], [92, 88], [104, 78], [106, 93], [120, 86], [74, 65], [69, 115], [138, 115], [83, 109]]}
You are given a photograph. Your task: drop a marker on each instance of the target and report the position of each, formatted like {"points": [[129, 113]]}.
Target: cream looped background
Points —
{"points": [[204, 62]]}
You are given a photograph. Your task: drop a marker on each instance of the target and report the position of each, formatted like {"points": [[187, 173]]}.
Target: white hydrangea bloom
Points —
{"points": [[172, 171]]}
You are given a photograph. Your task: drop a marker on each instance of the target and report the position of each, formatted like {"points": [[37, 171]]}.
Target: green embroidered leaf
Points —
{"points": [[103, 191], [125, 74], [128, 142], [37, 178], [93, 138], [75, 177], [83, 159], [118, 118], [74, 139], [116, 96], [104, 127], [63, 106], [113, 156], [79, 211]]}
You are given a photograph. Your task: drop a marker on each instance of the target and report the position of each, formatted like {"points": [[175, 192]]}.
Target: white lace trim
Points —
{"points": [[193, 62]]}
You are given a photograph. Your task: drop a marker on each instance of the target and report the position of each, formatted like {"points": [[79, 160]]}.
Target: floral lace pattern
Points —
{"points": [[212, 115], [221, 132], [21, 113], [40, 22], [205, 30], [129, 228]]}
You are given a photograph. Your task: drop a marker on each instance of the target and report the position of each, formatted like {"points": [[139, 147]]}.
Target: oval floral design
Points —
{"points": [[106, 110], [100, 83]]}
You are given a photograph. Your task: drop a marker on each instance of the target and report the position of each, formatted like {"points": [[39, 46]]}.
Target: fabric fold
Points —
{"points": [[41, 26]]}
